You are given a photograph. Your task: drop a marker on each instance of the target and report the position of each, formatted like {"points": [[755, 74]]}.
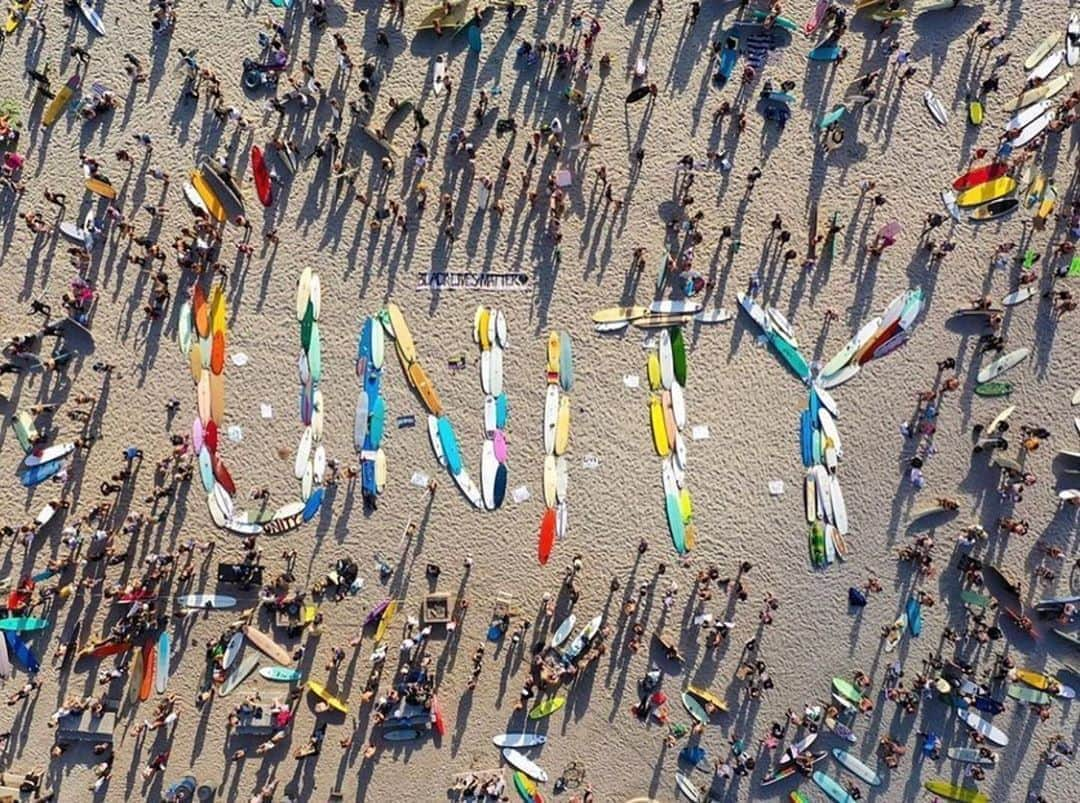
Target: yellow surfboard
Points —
{"points": [[615, 314], [16, 14], [562, 426], [553, 346], [707, 696], [1036, 680], [213, 205], [669, 418], [217, 309], [482, 329], [659, 432], [986, 192], [402, 336], [652, 369], [685, 505], [101, 187], [319, 690], [387, 617], [59, 103]]}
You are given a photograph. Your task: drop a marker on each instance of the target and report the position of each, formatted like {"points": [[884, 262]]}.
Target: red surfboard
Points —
{"points": [[222, 475], [980, 175], [547, 535], [262, 176]]}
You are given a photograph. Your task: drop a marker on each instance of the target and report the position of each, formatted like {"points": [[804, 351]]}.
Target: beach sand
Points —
{"points": [[736, 387]]}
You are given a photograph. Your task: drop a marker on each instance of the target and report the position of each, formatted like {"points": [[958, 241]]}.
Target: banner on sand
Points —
{"points": [[467, 280]]}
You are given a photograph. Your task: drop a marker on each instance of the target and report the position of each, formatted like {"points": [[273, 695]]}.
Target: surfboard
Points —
{"points": [[49, 453], [259, 171], [1072, 41], [1032, 130], [319, 690], [164, 653], [93, 19], [951, 791], [981, 726], [521, 762], [1001, 365], [100, 186], [546, 708], [221, 189], [832, 788], [515, 740], [135, 676], [619, 314], [986, 192], [937, 111], [1044, 92], [146, 688], [266, 645], [59, 104], [239, 675]]}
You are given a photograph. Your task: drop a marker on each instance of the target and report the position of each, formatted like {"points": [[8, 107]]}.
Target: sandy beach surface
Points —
{"points": [[736, 387]]}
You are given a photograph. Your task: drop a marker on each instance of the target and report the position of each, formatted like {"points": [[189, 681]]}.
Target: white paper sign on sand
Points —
{"points": [[520, 494], [239, 358], [632, 381], [235, 433], [776, 487], [590, 461], [266, 410], [420, 479], [700, 432]]}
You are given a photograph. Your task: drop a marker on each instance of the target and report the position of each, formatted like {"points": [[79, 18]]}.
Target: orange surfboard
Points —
{"points": [[149, 667]]}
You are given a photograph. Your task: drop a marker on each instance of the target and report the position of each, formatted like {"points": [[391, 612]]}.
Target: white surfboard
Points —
{"points": [[1072, 41], [303, 454], [1001, 365], [485, 372], [979, 725], [469, 488], [860, 339], [678, 405], [520, 761], [502, 336], [438, 75], [559, 636], [519, 739], [303, 292], [679, 452], [496, 369], [1025, 116], [1033, 129], [551, 413], [669, 307], [488, 468], [360, 421], [436, 443], [828, 427], [667, 365], [1043, 69], [562, 479], [845, 374], [490, 415], [232, 649], [839, 509], [550, 480], [50, 453]]}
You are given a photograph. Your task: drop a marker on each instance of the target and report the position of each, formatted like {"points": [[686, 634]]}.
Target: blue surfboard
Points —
{"points": [[19, 648], [449, 445], [39, 473], [313, 503]]}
